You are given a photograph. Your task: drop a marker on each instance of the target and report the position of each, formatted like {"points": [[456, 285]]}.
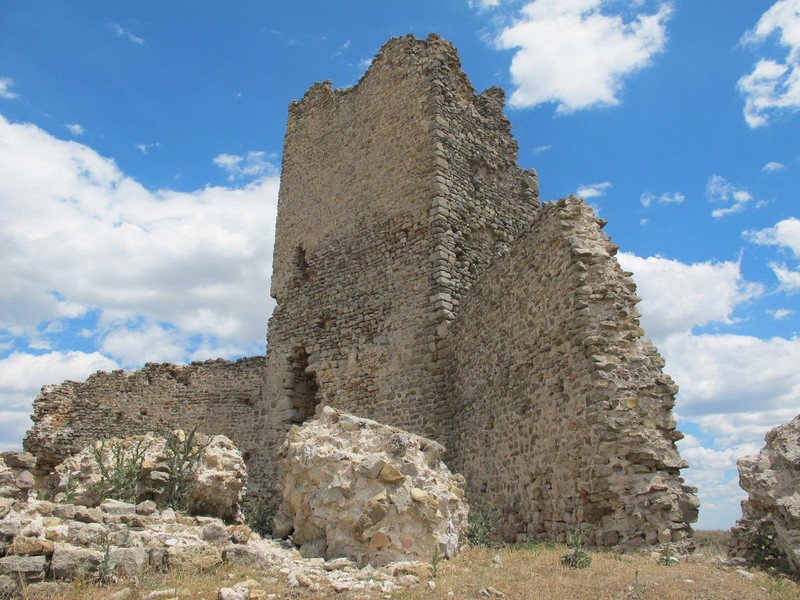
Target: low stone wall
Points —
{"points": [[218, 396], [564, 415]]}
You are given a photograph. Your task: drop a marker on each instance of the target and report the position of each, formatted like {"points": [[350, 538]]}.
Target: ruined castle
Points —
{"points": [[419, 282]]}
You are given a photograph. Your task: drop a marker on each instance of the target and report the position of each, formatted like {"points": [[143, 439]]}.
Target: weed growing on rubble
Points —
{"points": [[183, 453], [259, 515], [667, 557], [436, 561], [119, 477]]}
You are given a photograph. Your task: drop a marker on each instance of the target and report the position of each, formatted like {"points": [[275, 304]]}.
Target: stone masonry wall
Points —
{"points": [[382, 223], [564, 414], [220, 396]]}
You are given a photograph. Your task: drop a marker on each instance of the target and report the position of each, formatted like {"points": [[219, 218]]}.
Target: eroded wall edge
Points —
{"points": [[564, 412]]}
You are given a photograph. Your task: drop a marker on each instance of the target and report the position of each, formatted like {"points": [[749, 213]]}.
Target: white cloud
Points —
{"points": [[22, 374], [5, 89], [773, 167], [780, 313], [719, 190], [254, 164], [678, 297], [572, 53], [785, 233], [119, 31], [734, 374], [648, 198], [79, 238], [773, 87], [788, 278], [129, 343], [733, 388], [540, 149], [593, 190], [75, 128]]}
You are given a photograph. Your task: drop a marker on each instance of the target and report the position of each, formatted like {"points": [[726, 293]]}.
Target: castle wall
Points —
{"points": [[419, 283], [564, 412], [219, 396]]}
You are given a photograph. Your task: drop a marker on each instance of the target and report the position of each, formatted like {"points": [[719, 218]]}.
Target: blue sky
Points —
{"points": [[140, 155]]}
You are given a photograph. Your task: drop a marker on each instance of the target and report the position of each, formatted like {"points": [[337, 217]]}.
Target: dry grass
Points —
{"points": [[712, 542], [530, 572]]}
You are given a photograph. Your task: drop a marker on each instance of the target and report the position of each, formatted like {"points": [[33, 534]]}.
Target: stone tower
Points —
{"points": [[420, 283], [395, 195]]}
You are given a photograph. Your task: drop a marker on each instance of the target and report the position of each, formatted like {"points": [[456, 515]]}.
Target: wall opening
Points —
{"points": [[305, 390], [301, 263]]}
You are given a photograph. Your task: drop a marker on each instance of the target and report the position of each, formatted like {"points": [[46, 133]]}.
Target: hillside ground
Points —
{"points": [[526, 571]]}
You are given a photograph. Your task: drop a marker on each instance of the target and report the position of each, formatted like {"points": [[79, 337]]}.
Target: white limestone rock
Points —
{"points": [[215, 485], [376, 494], [772, 480]]}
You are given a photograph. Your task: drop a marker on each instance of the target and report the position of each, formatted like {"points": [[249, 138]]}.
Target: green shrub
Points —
{"points": [[259, 515], [483, 524], [764, 551], [119, 479], [183, 454]]}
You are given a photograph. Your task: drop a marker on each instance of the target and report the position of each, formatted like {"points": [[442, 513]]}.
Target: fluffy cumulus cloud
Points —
{"points": [[577, 53], [593, 190], [773, 86], [145, 275], [733, 387], [678, 297], [786, 235]]}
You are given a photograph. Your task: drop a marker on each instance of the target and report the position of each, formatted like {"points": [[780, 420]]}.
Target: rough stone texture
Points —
{"points": [[132, 544], [357, 489], [16, 479], [219, 396], [564, 411], [404, 222], [772, 480], [215, 486]]}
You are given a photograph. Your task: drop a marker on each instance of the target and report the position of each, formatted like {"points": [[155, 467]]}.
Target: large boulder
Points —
{"points": [[204, 475], [771, 514], [355, 488]]}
